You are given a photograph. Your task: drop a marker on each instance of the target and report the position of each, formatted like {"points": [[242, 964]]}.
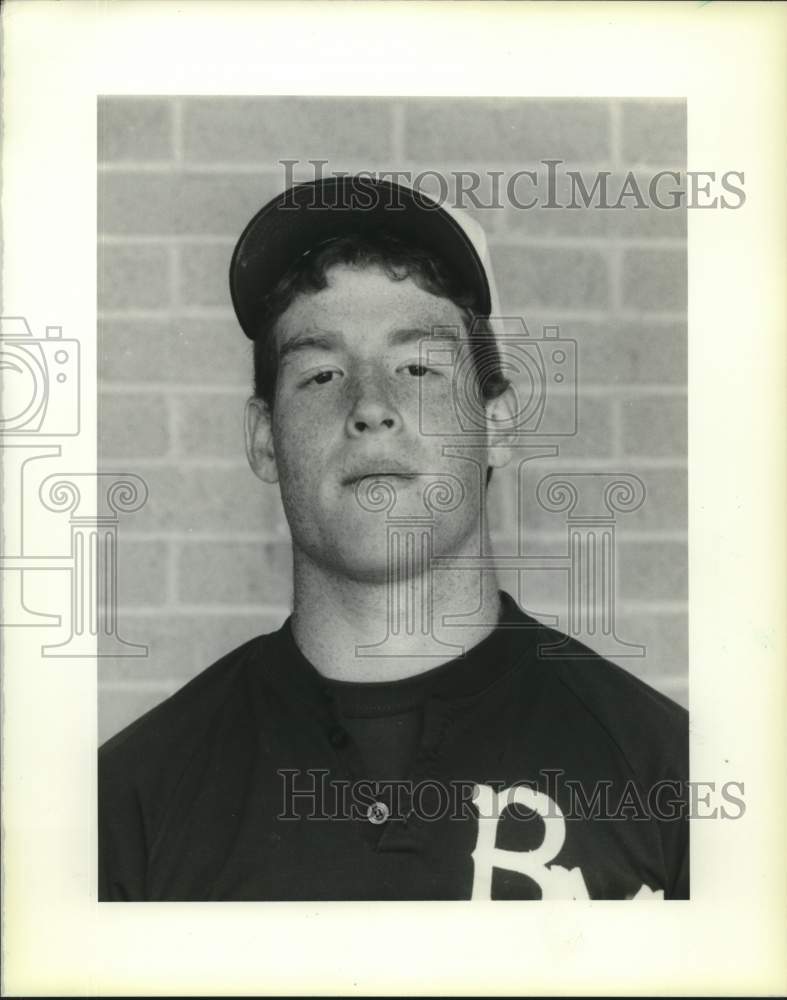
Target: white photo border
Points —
{"points": [[728, 61]]}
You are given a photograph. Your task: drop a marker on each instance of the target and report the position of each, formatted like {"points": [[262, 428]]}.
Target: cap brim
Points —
{"points": [[301, 218]]}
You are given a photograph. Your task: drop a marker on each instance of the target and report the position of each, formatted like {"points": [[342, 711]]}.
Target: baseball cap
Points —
{"points": [[310, 214]]}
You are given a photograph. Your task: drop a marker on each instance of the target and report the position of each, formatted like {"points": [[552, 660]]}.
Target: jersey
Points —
{"points": [[529, 768]]}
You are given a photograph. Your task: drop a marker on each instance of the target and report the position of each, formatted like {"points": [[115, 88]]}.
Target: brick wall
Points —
{"points": [[205, 564]]}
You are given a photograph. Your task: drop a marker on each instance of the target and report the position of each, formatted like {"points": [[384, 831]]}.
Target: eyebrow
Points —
{"points": [[308, 341], [328, 341], [408, 335]]}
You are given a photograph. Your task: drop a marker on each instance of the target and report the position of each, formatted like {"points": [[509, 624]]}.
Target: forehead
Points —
{"points": [[366, 301]]}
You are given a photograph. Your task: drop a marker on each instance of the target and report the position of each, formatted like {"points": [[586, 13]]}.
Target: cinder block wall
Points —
{"points": [[206, 563]]}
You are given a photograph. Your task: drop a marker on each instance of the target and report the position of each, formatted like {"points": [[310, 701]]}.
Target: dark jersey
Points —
{"points": [[529, 768]]}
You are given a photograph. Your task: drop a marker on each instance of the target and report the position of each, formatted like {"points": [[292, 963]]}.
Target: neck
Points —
{"points": [[333, 616]]}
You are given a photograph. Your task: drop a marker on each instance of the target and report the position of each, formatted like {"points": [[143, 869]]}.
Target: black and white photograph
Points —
{"points": [[391, 401], [459, 334]]}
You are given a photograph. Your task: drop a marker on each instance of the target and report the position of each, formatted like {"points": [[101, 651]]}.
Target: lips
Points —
{"points": [[389, 469]]}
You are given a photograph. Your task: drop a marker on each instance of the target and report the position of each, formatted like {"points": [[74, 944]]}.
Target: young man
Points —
{"points": [[407, 733]]}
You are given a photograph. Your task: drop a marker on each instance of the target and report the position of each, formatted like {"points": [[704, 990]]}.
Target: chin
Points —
{"points": [[357, 548], [366, 560], [361, 560]]}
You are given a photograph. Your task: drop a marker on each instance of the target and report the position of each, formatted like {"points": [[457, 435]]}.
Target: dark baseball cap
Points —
{"points": [[307, 215]]}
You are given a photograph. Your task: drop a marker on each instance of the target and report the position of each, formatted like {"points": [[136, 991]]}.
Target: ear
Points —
{"points": [[259, 440], [500, 421]]}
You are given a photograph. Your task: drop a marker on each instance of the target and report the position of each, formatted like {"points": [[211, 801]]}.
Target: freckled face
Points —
{"points": [[349, 388]]}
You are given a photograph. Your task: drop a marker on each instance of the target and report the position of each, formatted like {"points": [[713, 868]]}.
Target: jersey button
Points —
{"points": [[378, 812]]}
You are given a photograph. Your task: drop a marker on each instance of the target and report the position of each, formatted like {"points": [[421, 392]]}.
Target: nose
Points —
{"points": [[372, 411]]}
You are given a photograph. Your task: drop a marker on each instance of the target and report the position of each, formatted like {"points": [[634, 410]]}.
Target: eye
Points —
{"points": [[322, 377], [417, 370]]}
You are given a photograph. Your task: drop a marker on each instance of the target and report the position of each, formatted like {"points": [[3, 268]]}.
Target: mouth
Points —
{"points": [[393, 471], [397, 476]]}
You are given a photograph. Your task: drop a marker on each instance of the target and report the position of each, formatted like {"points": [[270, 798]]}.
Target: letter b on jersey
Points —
{"points": [[555, 882]]}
